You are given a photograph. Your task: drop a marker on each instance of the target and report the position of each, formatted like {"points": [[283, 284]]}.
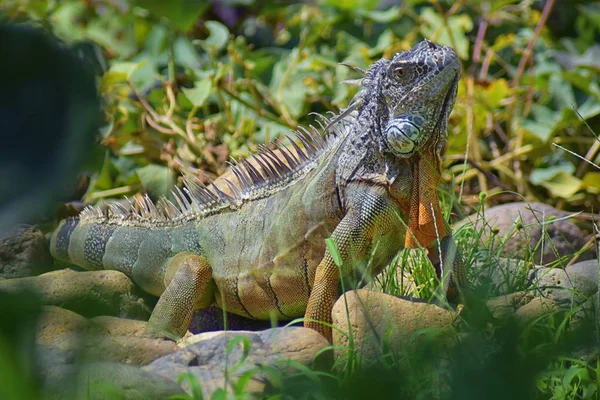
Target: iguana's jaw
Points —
{"points": [[425, 221]]}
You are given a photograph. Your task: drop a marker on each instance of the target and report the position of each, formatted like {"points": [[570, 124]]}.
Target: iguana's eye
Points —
{"points": [[400, 71]]}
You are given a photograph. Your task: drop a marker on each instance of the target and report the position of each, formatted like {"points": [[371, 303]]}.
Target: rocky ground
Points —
{"points": [[90, 328]]}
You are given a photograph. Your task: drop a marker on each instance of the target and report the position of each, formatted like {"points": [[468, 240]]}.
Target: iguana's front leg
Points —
{"points": [[370, 216], [189, 286]]}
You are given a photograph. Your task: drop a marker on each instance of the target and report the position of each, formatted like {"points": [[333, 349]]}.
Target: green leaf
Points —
{"points": [[288, 86], [544, 124], [127, 68], [591, 181], [352, 5], [540, 175], [186, 54], [383, 17], [561, 91], [558, 179], [181, 14], [450, 31], [112, 78], [194, 386], [199, 93], [157, 180], [119, 72], [218, 38], [334, 251]]}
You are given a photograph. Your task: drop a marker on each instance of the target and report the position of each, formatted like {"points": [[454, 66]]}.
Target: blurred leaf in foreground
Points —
{"points": [[49, 115]]}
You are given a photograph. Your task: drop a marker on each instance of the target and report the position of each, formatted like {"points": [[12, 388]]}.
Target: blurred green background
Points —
{"points": [[187, 84]]}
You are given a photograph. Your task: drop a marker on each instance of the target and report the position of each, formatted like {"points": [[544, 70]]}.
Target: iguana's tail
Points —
{"points": [[141, 252]]}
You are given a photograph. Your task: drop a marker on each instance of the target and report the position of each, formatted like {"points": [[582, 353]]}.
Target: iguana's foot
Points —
{"points": [[188, 287]]}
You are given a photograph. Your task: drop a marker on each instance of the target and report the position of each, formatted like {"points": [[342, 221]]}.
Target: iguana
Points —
{"points": [[258, 248]]}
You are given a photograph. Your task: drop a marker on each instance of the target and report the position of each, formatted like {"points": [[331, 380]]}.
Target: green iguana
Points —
{"points": [[258, 248]]}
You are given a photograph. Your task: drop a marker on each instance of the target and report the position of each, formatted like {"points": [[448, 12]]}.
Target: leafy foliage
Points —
{"points": [[188, 84]]}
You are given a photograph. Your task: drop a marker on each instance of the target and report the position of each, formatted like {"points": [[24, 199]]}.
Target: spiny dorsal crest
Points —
{"points": [[274, 170]]}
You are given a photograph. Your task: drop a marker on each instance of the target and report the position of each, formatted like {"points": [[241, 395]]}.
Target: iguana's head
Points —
{"points": [[403, 109], [414, 93]]}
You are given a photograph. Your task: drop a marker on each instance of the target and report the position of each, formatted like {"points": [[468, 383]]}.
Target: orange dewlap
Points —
{"points": [[425, 221]]}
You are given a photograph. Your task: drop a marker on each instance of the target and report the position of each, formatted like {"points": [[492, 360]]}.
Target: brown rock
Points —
{"points": [[375, 318], [133, 350], [205, 356], [125, 341], [536, 308], [524, 226], [89, 293], [507, 305], [103, 339], [62, 329], [24, 253], [120, 326]]}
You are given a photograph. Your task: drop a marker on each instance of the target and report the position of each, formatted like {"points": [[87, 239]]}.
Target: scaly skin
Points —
{"points": [[261, 252]]}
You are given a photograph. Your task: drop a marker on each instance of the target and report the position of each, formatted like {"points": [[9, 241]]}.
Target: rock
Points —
{"points": [[585, 315], [536, 308], [497, 276], [125, 341], [564, 286], [133, 350], [205, 356], [102, 339], [105, 381], [120, 326], [584, 276], [89, 293], [524, 228], [61, 329], [24, 253], [506, 305], [53, 363], [374, 315]]}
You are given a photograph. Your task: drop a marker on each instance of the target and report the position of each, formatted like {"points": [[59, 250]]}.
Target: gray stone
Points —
{"points": [[105, 381], [89, 293], [584, 276], [206, 356], [565, 287], [53, 363], [521, 229], [24, 253], [378, 320]]}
